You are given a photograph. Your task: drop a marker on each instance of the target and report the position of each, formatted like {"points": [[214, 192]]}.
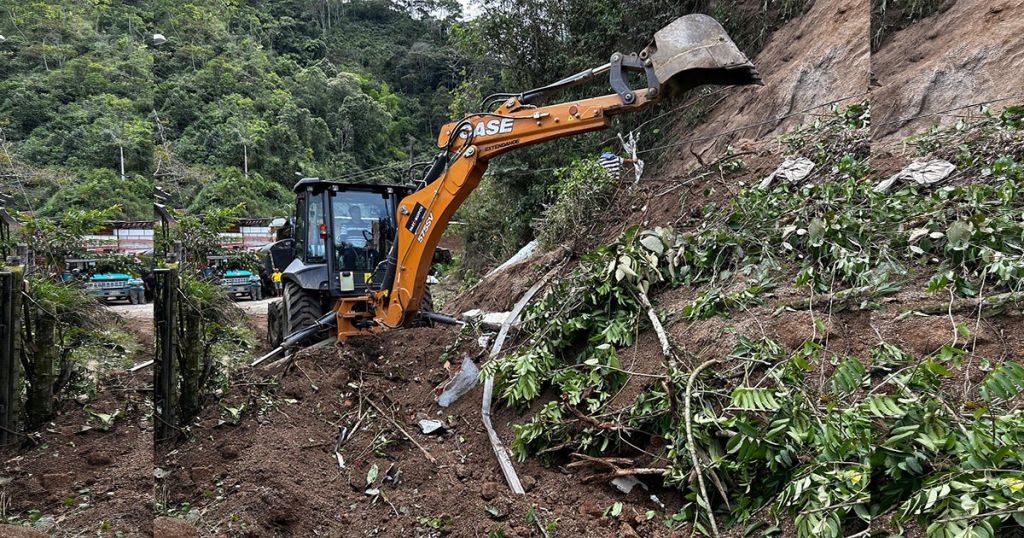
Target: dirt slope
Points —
{"points": [[82, 479], [970, 53], [817, 58]]}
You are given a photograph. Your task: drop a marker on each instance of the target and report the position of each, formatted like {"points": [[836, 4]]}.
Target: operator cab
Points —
{"points": [[344, 231]]}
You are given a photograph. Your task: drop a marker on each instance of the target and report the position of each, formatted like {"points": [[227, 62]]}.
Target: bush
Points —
{"points": [[102, 188], [582, 190], [259, 197], [497, 221]]}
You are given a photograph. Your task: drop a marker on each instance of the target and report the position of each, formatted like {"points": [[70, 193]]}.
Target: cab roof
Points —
{"points": [[314, 182]]}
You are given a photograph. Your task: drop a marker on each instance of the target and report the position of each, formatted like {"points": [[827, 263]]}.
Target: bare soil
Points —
{"points": [[82, 478], [276, 473], [970, 53], [90, 480]]}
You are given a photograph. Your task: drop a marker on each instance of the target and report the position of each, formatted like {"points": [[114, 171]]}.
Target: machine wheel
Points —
{"points": [[427, 305], [301, 307], [428, 301], [275, 323]]}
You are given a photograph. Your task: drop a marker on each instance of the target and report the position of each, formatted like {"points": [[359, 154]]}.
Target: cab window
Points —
{"points": [[359, 220]]}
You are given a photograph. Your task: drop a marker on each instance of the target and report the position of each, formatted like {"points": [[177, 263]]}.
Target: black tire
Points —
{"points": [[426, 305], [275, 323], [301, 307]]}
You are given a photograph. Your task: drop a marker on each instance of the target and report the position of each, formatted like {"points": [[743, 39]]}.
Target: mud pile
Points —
{"points": [[277, 474]]}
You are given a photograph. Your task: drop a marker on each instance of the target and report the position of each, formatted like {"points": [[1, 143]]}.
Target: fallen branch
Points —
{"points": [[582, 460], [609, 426], [840, 299], [485, 405], [405, 433], [666, 349], [613, 466], [692, 446], [985, 304], [618, 473]]}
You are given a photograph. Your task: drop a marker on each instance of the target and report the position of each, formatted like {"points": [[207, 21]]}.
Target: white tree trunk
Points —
{"points": [[121, 150], [245, 153]]}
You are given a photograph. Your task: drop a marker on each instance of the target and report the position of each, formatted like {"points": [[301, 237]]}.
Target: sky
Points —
{"points": [[470, 9]]}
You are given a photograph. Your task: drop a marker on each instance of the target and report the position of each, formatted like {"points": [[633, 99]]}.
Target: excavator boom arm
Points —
{"points": [[423, 216], [691, 51]]}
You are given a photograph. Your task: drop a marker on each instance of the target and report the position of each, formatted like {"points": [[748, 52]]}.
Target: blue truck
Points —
{"points": [[236, 282], [105, 286]]}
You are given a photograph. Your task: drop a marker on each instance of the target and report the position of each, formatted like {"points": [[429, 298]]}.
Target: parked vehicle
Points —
{"points": [[103, 284], [235, 281]]}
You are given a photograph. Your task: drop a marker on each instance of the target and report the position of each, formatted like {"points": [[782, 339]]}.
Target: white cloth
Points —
{"points": [[923, 173], [630, 144], [793, 170]]}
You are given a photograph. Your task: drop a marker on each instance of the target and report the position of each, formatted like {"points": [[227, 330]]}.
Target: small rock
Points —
{"points": [[588, 508], [45, 522], [489, 491], [431, 426], [98, 458], [56, 481], [626, 531], [228, 451], [626, 484], [463, 472], [528, 482]]}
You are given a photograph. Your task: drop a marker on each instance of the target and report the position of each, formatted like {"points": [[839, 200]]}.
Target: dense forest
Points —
{"points": [[221, 102]]}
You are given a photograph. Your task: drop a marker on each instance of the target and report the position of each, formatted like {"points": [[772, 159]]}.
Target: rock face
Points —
{"points": [[971, 52]]}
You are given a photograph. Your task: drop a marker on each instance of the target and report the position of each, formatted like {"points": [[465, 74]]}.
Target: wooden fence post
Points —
{"points": [[165, 369], [191, 364], [39, 405], [10, 351]]}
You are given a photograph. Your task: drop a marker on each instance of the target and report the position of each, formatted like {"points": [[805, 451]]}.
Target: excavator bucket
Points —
{"points": [[695, 50]]}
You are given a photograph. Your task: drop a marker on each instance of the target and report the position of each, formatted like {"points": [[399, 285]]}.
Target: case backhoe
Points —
{"points": [[363, 253]]}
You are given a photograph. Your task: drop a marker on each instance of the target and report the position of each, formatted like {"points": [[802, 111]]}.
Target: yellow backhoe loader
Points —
{"points": [[360, 254]]}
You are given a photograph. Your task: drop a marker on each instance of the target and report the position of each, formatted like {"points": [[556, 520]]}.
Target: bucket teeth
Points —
{"points": [[695, 50]]}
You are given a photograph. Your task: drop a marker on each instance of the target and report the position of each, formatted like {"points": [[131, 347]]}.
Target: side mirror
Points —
{"points": [[282, 253]]}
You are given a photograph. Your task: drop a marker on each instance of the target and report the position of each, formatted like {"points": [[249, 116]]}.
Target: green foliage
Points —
{"points": [[581, 192], [99, 189], [880, 439], [61, 238], [1005, 382], [273, 87], [494, 227], [257, 196], [199, 237]]}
